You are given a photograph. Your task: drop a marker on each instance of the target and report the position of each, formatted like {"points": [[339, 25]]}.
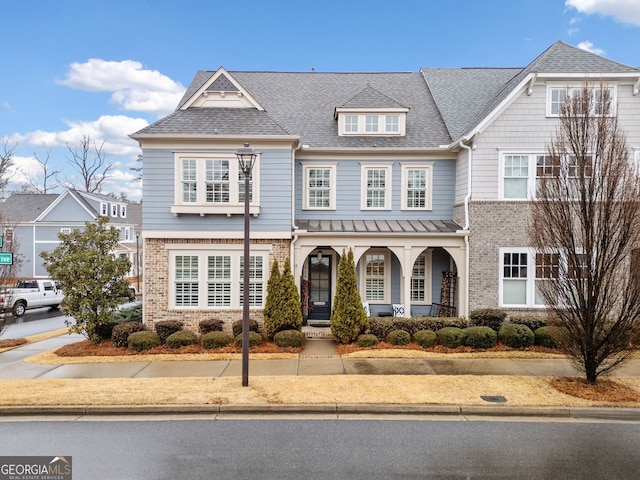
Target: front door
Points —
{"points": [[319, 288]]}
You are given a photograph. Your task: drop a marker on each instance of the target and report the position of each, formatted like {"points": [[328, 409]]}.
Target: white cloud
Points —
{"points": [[589, 47], [133, 87], [623, 11], [23, 169]]}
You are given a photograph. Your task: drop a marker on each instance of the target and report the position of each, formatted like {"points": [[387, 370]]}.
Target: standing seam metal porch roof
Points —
{"points": [[378, 226]]}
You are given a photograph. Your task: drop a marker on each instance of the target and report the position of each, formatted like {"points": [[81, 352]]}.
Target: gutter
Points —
{"points": [[467, 198], [294, 227]]}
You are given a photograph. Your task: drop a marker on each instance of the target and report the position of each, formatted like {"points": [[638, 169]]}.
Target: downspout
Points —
{"points": [[294, 227], [466, 226]]}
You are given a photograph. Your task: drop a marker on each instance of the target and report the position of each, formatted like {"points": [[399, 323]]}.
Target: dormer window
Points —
{"points": [[378, 123]]}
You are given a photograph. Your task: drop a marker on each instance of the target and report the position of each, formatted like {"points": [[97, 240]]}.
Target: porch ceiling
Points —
{"points": [[379, 226]]}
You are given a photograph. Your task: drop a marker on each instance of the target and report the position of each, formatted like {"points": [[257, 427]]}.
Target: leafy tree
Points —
{"points": [[91, 276], [585, 226], [348, 318]]}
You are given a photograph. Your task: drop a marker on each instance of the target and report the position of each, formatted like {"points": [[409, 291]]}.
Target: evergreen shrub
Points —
{"points": [[516, 336], [367, 340], [487, 317], [425, 338], [210, 325], [143, 340], [398, 337], [480, 337], [288, 338], [121, 332], [215, 339], [544, 338], [255, 339], [531, 321], [348, 318], [165, 328], [236, 327], [181, 339], [450, 337]]}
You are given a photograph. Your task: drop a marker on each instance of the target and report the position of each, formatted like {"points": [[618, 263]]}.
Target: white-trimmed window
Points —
{"points": [[376, 272], [376, 182], [205, 279], [114, 209], [104, 209], [351, 124], [123, 211], [557, 95], [371, 124], [65, 231], [319, 189], [417, 181], [213, 184], [421, 279], [127, 234], [369, 121]]}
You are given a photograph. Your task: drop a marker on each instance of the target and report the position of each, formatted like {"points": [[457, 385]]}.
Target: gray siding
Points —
{"points": [[67, 209], [158, 194], [349, 188]]}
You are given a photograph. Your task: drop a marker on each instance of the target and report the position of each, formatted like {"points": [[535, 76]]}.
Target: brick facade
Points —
{"points": [[156, 293]]}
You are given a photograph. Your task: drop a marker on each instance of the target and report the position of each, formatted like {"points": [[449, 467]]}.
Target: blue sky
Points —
{"points": [[108, 68]]}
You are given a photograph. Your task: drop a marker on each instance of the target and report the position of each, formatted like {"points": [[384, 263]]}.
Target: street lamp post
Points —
{"points": [[138, 262], [246, 159]]}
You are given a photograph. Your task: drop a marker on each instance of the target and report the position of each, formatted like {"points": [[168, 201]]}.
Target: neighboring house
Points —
{"points": [[35, 220], [426, 176]]}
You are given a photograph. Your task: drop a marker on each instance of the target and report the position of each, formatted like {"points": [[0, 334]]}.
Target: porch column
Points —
{"points": [[407, 269]]}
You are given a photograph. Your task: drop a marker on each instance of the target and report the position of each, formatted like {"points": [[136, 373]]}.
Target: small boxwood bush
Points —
{"points": [[367, 340], [255, 339], [382, 326], [425, 338], [166, 328], [450, 337], [215, 339], [516, 336], [210, 325], [531, 321], [543, 337], [181, 339], [237, 327], [144, 340], [399, 337], [480, 337], [121, 332], [288, 338], [487, 317]]}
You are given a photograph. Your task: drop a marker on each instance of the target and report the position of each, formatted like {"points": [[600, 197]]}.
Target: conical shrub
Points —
{"points": [[348, 318]]}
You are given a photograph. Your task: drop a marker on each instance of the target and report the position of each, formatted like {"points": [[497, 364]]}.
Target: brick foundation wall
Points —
{"points": [[156, 285]]}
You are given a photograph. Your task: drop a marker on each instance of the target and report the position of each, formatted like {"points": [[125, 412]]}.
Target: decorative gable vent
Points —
{"points": [[221, 90]]}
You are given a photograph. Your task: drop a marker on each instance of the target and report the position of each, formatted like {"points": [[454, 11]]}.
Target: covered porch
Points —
{"points": [[404, 268]]}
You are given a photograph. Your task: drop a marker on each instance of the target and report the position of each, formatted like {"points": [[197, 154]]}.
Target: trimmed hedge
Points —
{"points": [[367, 340], [450, 337], [531, 321], [210, 325], [121, 332], [543, 337], [425, 338], [480, 337], [144, 340], [382, 326], [487, 317], [516, 336], [215, 339], [399, 337], [255, 339], [237, 327], [288, 338], [165, 328], [181, 339]]}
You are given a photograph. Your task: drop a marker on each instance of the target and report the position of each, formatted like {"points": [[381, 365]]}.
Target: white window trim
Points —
{"points": [[387, 276], [202, 207], [114, 209], [429, 196], [305, 187], [104, 209], [428, 279], [65, 230], [364, 168], [551, 86], [123, 211], [363, 113], [204, 251]]}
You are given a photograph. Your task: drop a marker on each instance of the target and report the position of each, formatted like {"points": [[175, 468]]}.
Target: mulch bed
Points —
{"points": [[604, 390], [12, 342]]}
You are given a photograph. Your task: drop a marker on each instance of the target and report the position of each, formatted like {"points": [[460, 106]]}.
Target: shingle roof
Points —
{"points": [[26, 207], [378, 226], [371, 98]]}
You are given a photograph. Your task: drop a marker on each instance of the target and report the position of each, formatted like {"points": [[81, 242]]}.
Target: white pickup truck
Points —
{"points": [[29, 294]]}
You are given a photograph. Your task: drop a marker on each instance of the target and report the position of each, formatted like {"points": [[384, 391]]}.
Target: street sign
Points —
{"points": [[6, 258], [1, 241]]}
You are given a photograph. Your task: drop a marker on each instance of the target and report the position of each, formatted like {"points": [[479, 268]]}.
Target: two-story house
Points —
{"points": [[33, 222], [421, 174]]}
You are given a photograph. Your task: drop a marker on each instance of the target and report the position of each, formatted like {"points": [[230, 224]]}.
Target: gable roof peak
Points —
{"points": [[370, 97]]}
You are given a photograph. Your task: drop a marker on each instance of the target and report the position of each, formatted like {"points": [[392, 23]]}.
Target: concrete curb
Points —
{"points": [[613, 413]]}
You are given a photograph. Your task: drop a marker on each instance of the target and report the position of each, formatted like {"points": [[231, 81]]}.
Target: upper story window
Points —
{"points": [[123, 211], [319, 192], [376, 181], [104, 209], [558, 94], [213, 184], [114, 209], [390, 122], [417, 187]]}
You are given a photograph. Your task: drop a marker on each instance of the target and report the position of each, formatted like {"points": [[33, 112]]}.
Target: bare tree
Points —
{"points": [[138, 170], [47, 175], [88, 159], [8, 273], [585, 227], [6, 162]]}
